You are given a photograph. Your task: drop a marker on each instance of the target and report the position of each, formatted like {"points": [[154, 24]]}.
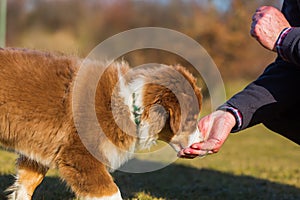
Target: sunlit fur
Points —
{"points": [[36, 118]]}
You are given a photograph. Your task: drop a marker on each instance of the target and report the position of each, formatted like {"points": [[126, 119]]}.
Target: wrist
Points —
{"points": [[229, 118], [233, 116], [279, 41]]}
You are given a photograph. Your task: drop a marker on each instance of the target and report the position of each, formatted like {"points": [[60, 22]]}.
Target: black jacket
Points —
{"points": [[274, 98]]}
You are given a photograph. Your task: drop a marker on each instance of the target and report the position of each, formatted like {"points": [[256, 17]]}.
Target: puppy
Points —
{"points": [[87, 118]]}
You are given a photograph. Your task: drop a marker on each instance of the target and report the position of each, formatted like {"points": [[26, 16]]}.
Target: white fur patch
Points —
{"points": [[116, 196], [116, 156], [126, 91], [136, 87], [37, 158], [144, 139], [195, 137], [19, 192]]}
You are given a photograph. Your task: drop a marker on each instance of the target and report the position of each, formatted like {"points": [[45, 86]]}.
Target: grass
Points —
{"points": [[254, 164]]}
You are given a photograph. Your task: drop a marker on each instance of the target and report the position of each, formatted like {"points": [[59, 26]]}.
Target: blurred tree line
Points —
{"points": [[77, 26]]}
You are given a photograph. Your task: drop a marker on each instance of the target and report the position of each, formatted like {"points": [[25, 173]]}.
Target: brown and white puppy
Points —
{"points": [[43, 103]]}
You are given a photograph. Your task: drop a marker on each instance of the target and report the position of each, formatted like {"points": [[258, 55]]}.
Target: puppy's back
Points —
{"points": [[34, 94]]}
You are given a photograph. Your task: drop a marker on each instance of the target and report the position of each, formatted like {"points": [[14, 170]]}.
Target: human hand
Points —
{"points": [[267, 24], [215, 129]]}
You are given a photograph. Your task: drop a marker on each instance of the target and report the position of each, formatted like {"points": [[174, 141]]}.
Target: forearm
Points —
{"points": [[266, 97], [247, 102]]}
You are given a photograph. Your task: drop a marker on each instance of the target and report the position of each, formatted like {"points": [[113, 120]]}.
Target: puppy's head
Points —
{"points": [[177, 102]]}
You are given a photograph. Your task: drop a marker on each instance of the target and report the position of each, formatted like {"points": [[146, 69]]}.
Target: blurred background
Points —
{"points": [[77, 26], [256, 164]]}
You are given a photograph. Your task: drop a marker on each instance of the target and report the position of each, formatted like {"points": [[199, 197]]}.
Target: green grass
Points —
{"points": [[254, 164]]}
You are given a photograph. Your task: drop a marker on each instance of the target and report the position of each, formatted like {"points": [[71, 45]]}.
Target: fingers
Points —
{"points": [[197, 152], [253, 30], [192, 153], [255, 20], [201, 149], [187, 156], [259, 14], [263, 8], [210, 146]]}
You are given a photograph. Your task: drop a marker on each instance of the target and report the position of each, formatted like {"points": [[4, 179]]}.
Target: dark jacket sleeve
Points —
{"points": [[273, 99], [290, 47], [290, 9]]}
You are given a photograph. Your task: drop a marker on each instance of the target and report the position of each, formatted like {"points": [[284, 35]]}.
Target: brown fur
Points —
{"points": [[36, 117]]}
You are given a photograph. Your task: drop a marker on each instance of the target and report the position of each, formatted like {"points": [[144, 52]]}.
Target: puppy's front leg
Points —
{"points": [[30, 175], [86, 176]]}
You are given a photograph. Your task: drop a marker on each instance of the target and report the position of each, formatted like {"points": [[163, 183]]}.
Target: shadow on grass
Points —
{"points": [[185, 183], [176, 182]]}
